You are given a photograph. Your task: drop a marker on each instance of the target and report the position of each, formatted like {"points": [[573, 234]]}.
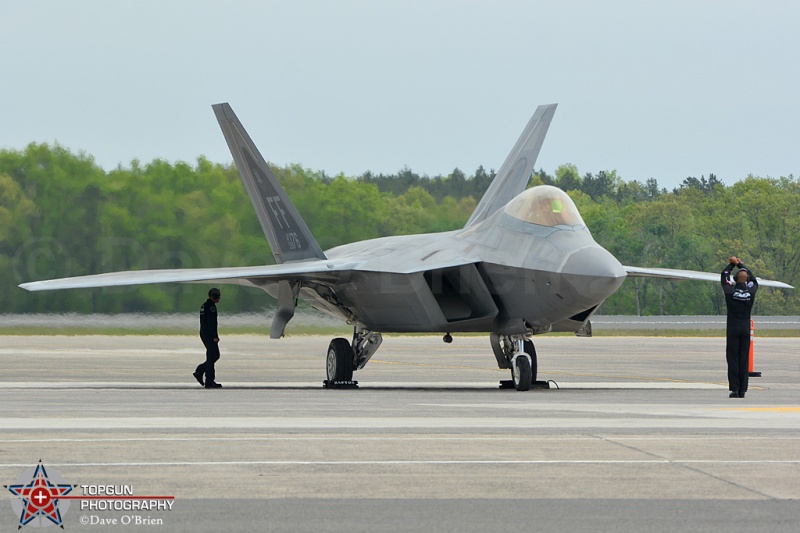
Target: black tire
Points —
{"points": [[531, 350], [522, 373], [339, 361]]}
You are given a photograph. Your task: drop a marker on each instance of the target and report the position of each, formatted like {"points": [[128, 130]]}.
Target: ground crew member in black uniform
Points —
{"points": [[210, 338], [739, 297]]}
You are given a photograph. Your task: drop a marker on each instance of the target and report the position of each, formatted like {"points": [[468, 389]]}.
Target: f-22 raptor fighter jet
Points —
{"points": [[524, 264]]}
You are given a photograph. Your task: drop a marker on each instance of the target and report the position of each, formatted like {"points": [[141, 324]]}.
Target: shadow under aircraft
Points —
{"points": [[524, 264]]}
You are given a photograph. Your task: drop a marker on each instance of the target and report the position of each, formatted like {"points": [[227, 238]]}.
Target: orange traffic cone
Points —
{"points": [[752, 335]]}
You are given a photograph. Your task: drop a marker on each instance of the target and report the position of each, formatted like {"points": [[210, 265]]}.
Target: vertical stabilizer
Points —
{"points": [[287, 233], [513, 176]]}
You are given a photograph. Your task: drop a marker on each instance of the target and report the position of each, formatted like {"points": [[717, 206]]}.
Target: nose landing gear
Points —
{"points": [[519, 355]]}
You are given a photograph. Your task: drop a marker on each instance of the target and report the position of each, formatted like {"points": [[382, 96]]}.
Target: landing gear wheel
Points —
{"points": [[339, 362], [527, 345], [521, 371]]}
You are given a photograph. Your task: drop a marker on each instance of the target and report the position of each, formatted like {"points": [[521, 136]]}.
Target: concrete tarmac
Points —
{"points": [[635, 434]]}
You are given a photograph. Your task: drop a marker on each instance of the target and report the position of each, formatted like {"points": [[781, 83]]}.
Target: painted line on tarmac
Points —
{"points": [[681, 421], [413, 462], [779, 409], [577, 385], [394, 438]]}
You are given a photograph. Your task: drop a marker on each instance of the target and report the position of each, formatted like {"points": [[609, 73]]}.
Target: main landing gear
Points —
{"points": [[344, 357], [518, 354], [515, 352]]}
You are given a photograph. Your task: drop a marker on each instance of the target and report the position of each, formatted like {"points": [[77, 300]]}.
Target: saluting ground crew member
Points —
{"points": [[210, 338], [739, 297]]}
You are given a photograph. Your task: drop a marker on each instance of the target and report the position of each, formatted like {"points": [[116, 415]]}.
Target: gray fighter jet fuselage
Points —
{"points": [[506, 274]]}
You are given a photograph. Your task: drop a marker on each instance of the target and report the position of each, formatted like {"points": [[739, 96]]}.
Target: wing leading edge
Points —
{"points": [[679, 275], [313, 270], [252, 276]]}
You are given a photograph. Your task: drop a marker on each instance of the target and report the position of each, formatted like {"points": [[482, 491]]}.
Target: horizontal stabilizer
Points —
{"points": [[286, 231]]}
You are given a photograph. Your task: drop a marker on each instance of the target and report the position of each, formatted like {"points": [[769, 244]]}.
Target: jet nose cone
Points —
{"points": [[595, 272]]}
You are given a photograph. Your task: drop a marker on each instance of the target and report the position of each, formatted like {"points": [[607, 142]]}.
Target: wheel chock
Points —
{"points": [[329, 384], [509, 384]]}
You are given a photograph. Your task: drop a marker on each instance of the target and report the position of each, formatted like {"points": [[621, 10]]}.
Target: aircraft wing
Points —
{"points": [[677, 275], [323, 270]]}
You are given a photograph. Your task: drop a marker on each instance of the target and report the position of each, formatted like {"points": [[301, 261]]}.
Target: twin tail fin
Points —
{"points": [[287, 233]]}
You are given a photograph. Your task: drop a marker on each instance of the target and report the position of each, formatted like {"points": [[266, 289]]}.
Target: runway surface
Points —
{"points": [[635, 434]]}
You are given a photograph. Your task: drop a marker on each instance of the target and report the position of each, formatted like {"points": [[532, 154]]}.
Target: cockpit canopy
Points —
{"points": [[545, 205]]}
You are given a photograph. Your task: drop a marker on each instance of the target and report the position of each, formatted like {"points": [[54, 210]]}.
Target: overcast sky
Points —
{"points": [[661, 89]]}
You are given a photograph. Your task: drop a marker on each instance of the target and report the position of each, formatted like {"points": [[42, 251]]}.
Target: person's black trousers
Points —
{"points": [[212, 356], [737, 352]]}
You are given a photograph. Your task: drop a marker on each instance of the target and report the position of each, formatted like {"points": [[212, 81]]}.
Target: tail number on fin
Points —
{"points": [[293, 240]]}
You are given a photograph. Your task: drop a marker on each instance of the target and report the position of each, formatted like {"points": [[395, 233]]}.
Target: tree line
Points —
{"points": [[62, 215]]}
